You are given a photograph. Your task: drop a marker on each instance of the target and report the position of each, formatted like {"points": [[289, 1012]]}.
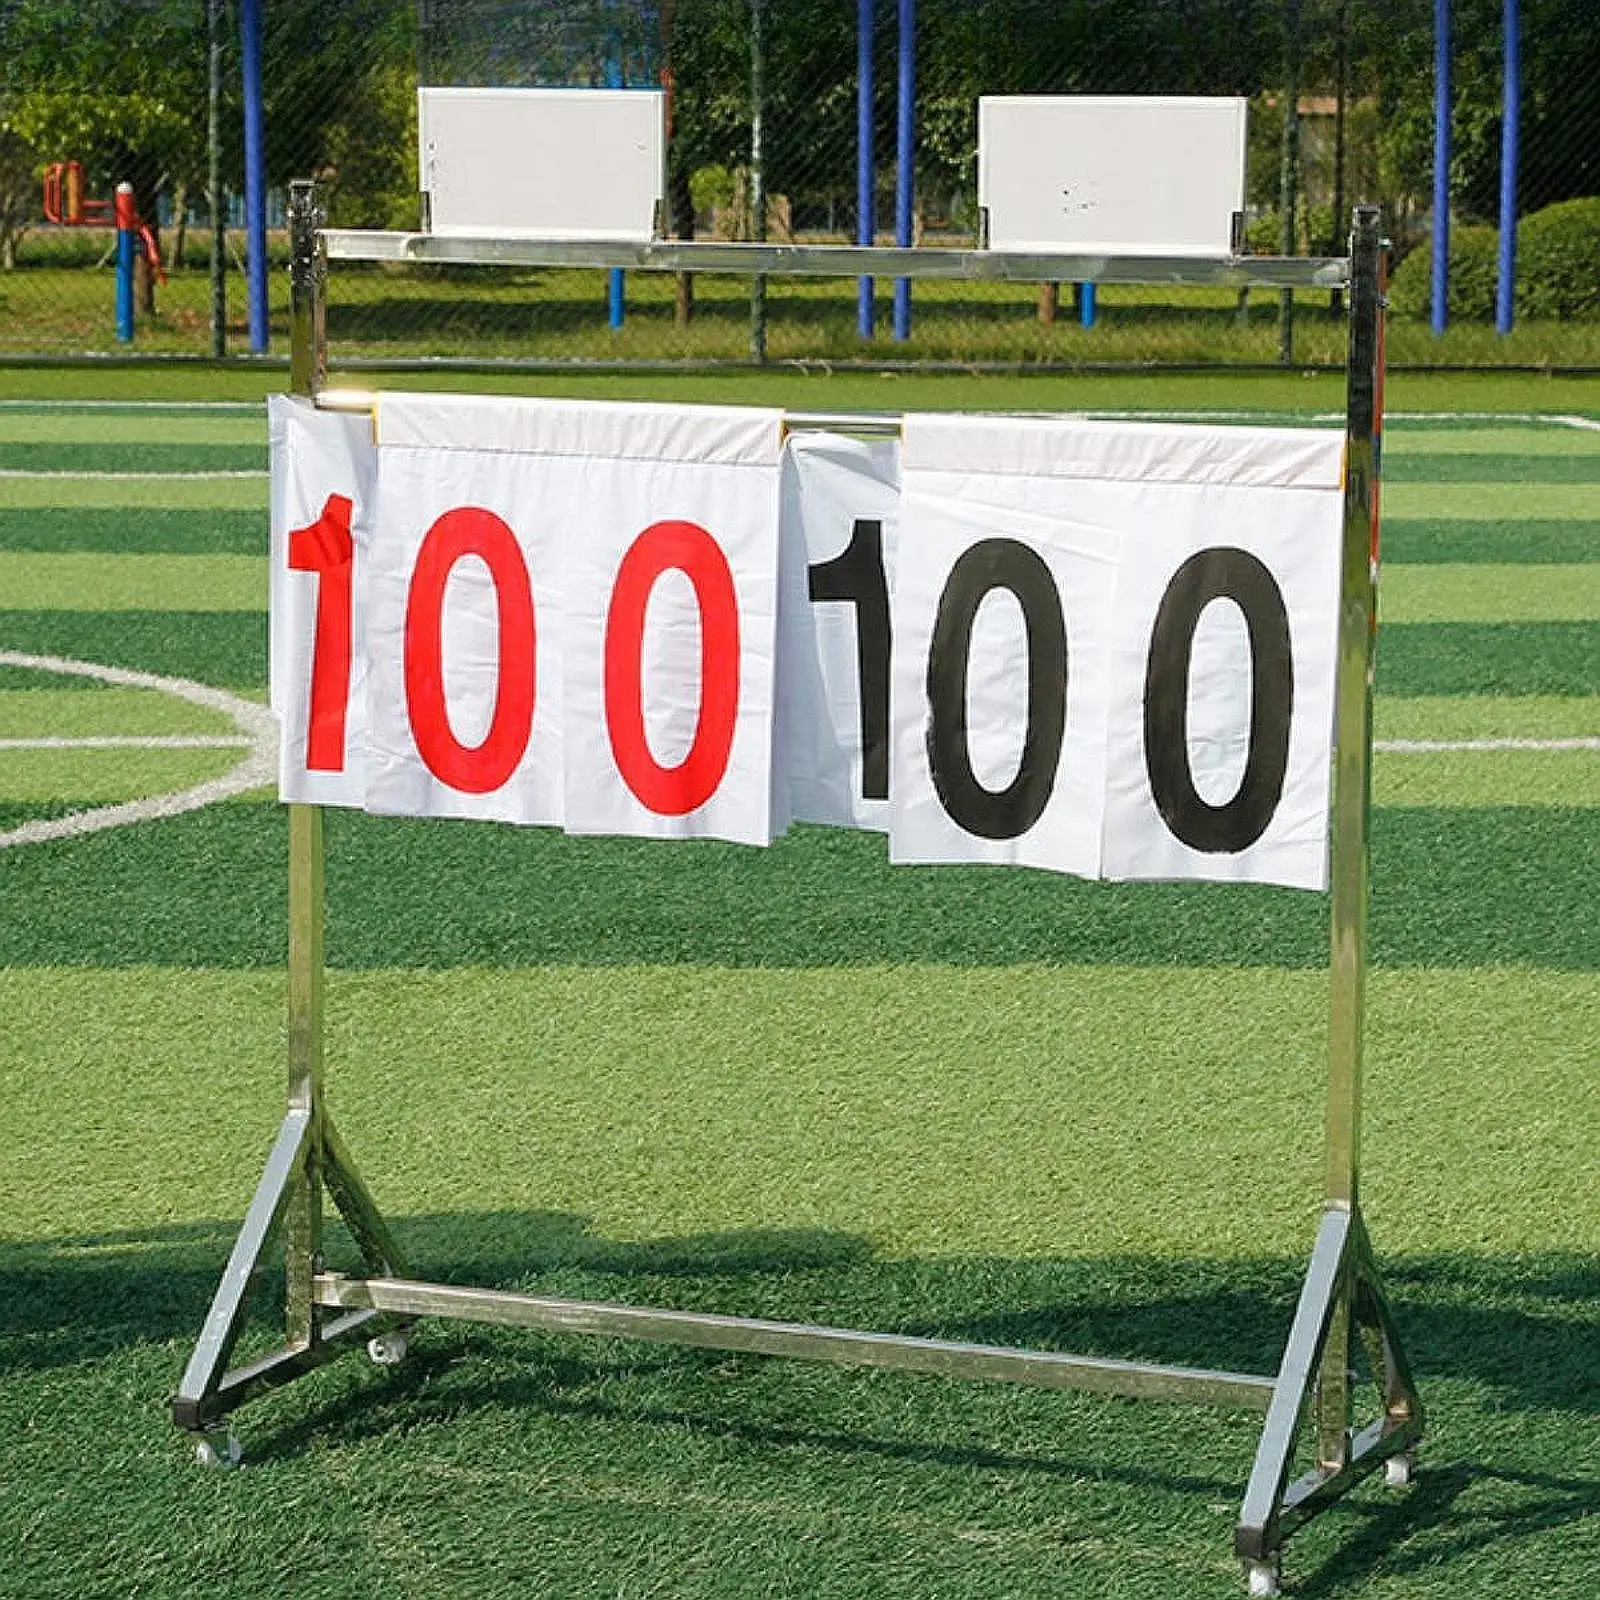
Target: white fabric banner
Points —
{"points": [[1219, 725], [841, 506], [1099, 648], [1002, 627], [323, 490], [666, 521], [465, 619]]}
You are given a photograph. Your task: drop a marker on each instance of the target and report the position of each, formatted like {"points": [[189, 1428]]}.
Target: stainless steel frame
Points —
{"points": [[1342, 1311]]}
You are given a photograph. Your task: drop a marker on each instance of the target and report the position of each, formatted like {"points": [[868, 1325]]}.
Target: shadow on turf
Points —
{"points": [[1519, 1324], [1518, 1329]]}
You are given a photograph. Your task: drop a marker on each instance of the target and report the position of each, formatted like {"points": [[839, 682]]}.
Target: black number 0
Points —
{"points": [[1006, 813], [1233, 574]]}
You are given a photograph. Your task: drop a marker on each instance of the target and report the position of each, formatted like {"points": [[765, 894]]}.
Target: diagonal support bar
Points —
{"points": [[207, 1364], [1340, 1300], [361, 1216]]}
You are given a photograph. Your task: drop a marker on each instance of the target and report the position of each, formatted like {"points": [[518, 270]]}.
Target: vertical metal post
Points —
{"points": [[255, 172], [905, 159], [219, 238], [1289, 169], [303, 1209], [1505, 288], [758, 176], [616, 78], [1352, 795], [1441, 167], [866, 176]]}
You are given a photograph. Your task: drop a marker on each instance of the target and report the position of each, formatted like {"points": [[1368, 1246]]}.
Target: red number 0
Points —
{"points": [[473, 769], [673, 791], [326, 549]]}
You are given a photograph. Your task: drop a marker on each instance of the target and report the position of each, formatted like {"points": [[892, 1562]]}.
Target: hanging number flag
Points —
{"points": [[323, 488], [1222, 644], [1002, 645], [466, 618], [841, 507]]}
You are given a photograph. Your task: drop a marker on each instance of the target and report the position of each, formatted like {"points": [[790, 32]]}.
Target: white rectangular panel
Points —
{"points": [[543, 163], [1117, 175], [324, 473]]}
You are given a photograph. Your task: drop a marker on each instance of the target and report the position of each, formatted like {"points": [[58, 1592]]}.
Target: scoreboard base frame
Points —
{"points": [[1342, 1316]]}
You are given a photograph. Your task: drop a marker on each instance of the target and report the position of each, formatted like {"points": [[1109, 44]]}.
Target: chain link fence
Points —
{"points": [[1341, 99]]}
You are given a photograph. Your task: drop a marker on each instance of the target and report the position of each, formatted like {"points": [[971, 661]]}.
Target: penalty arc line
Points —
{"points": [[255, 723]]}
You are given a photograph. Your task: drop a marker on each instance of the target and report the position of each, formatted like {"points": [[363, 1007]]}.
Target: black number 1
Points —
{"points": [[856, 575]]}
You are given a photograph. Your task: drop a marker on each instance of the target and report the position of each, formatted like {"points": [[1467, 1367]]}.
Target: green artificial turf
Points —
{"points": [[1489, 501], [67, 713], [224, 648], [1451, 887], [1426, 540], [156, 490], [209, 427], [144, 455], [1484, 717], [981, 1104], [83, 580], [1450, 467], [112, 531], [1481, 592], [1511, 658]]}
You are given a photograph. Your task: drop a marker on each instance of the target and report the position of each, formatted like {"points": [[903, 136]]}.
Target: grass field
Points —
{"points": [[998, 1106], [561, 315]]}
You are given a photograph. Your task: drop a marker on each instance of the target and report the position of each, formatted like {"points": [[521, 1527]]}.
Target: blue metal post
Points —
{"points": [[1086, 305], [866, 177], [255, 185], [905, 157], [1441, 165], [1505, 290], [615, 79], [125, 253]]}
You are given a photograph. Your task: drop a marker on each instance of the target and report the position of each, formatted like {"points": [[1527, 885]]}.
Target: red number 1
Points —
{"points": [[327, 549]]}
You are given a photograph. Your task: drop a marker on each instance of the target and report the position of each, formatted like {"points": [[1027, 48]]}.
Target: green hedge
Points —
{"points": [[1558, 261], [1558, 268]]}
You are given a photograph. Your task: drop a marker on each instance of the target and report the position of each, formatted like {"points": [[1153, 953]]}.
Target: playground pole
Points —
{"points": [[758, 175], [255, 189], [615, 79], [127, 232], [1441, 166], [1505, 290], [219, 260], [866, 206], [905, 156]]}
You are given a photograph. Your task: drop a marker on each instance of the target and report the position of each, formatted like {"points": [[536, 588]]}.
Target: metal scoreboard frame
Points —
{"points": [[1341, 1311]]}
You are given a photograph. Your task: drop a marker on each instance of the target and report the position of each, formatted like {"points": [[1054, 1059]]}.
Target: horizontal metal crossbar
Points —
{"points": [[837, 260], [1045, 1369], [278, 1368]]}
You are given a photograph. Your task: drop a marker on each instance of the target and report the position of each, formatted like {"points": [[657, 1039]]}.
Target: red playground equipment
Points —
{"points": [[66, 205]]}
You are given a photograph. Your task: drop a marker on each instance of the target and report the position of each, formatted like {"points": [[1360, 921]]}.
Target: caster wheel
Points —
{"points": [[219, 1451], [1397, 1470], [388, 1349], [1262, 1577]]}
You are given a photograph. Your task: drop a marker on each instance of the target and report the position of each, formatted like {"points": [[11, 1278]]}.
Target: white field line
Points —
{"points": [[134, 741], [1542, 418], [132, 405], [256, 724], [130, 477], [1414, 747]]}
